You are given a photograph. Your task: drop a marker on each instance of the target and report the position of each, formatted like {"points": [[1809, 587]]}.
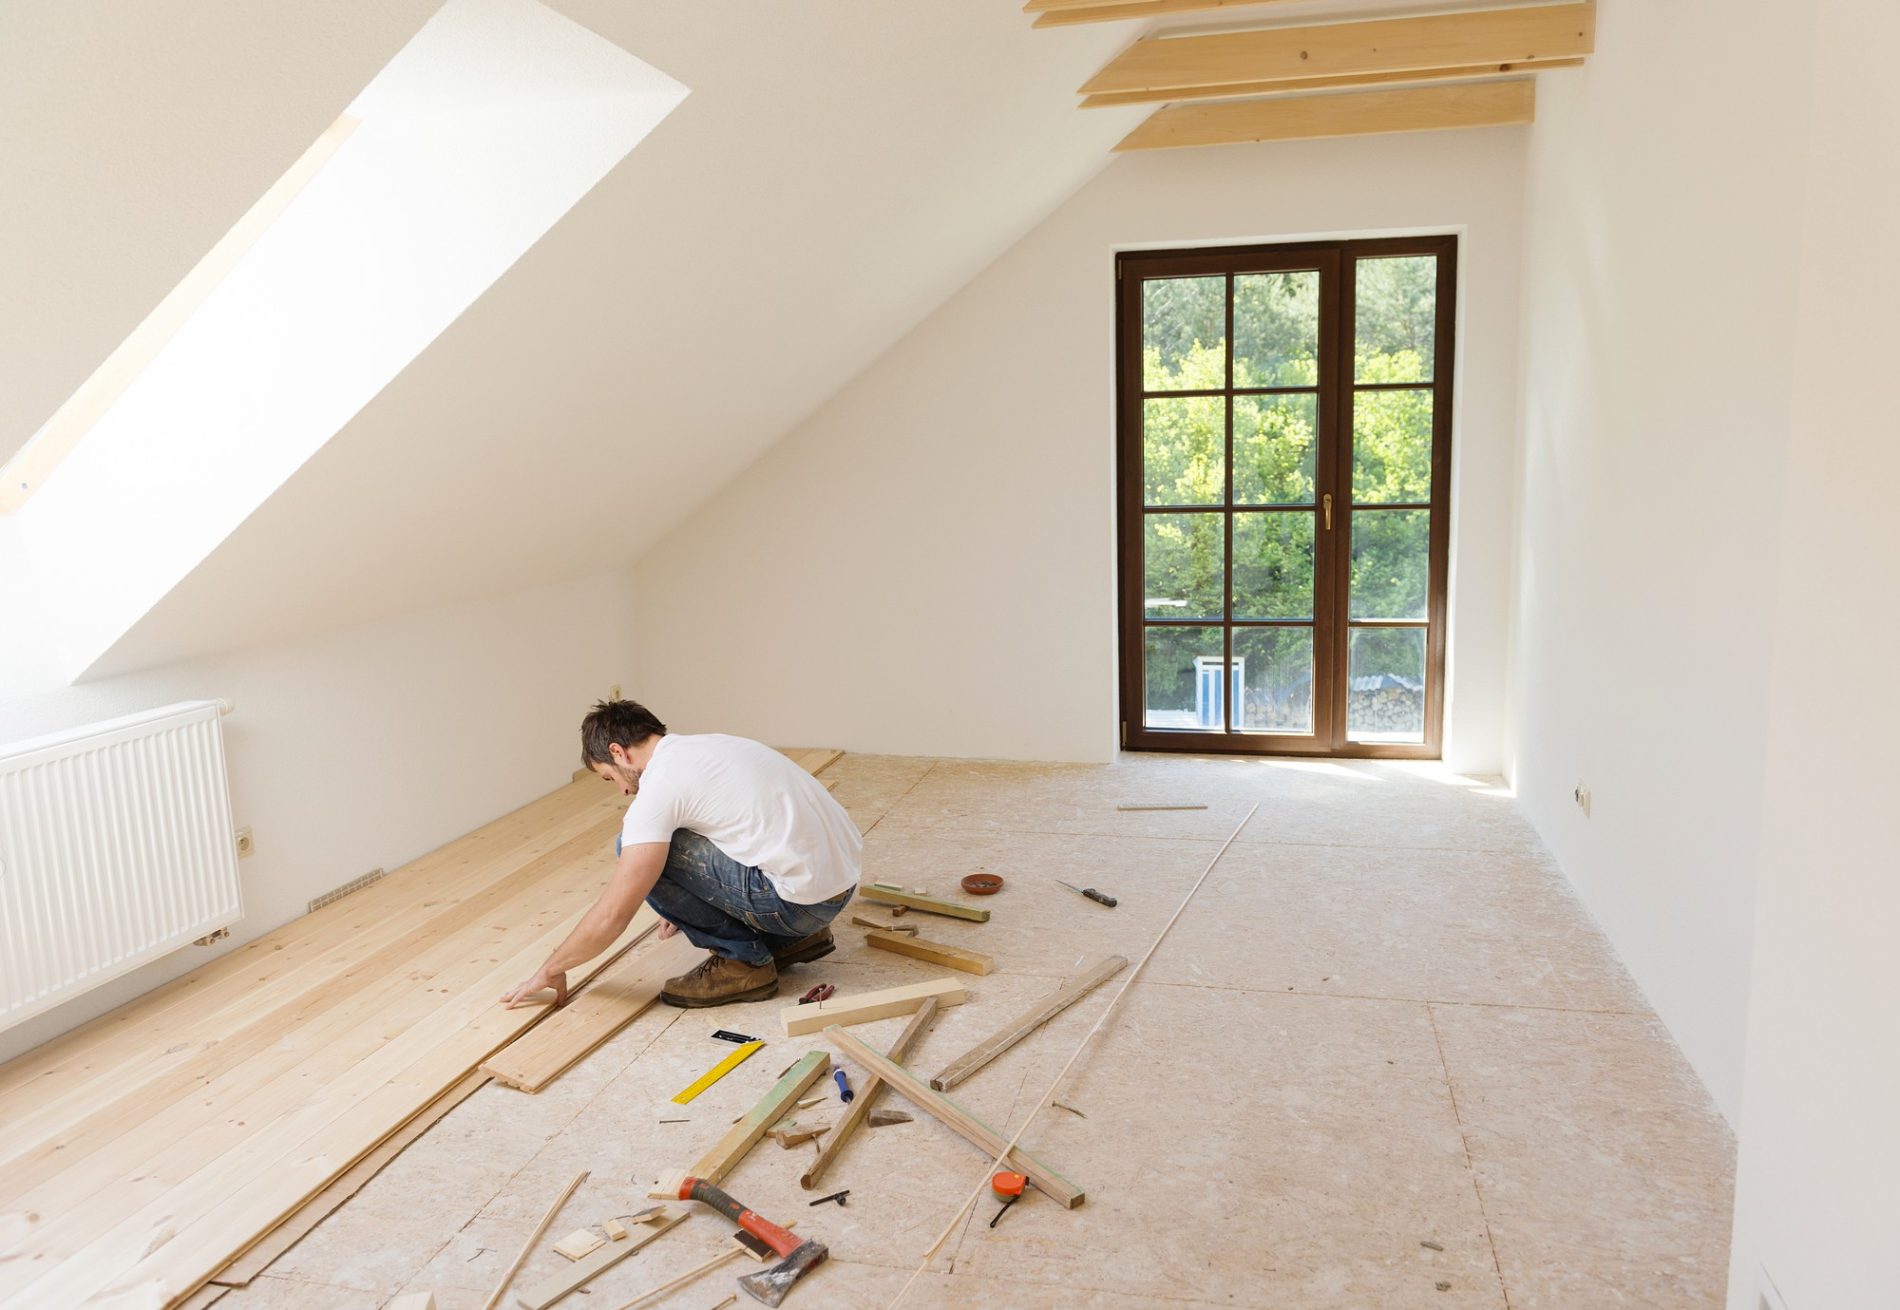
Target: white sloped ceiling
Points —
{"points": [[839, 168]]}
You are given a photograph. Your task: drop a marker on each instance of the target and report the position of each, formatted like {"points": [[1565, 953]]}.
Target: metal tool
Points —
{"points": [[835, 1196], [1009, 1188], [1100, 898], [769, 1286], [718, 1071], [822, 992], [845, 1093], [727, 1036]]}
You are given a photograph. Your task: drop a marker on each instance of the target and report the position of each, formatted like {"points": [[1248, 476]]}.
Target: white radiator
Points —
{"points": [[116, 847]]}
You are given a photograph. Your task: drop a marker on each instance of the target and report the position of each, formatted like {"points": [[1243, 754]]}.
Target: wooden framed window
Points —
{"points": [[1284, 492]]}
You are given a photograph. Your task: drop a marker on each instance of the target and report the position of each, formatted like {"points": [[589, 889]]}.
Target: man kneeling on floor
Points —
{"points": [[729, 841]]}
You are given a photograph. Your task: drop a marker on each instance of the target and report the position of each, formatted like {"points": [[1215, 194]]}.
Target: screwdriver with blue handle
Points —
{"points": [[1100, 898]]}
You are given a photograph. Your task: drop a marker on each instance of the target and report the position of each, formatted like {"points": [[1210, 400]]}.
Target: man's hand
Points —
{"points": [[668, 928], [542, 980]]}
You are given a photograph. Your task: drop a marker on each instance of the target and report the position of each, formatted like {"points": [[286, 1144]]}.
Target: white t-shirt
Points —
{"points": [[755, 805]]}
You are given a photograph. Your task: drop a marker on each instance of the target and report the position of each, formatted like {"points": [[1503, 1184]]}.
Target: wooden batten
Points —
{"points": [[1532, 34], [1295, 85], [1064, 13], [950, 957], [1363, 113]]}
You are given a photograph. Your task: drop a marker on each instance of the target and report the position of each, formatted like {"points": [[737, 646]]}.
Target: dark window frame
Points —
{"points": [[1331, 623]]}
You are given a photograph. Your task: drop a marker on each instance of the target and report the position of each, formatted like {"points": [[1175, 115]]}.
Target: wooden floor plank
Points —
{"points": [[619, 995]]}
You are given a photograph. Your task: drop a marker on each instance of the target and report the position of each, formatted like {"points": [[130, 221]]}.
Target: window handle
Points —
{"points": [[1327, 500]]}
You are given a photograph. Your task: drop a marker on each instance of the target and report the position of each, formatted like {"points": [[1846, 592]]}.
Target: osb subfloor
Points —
{"points": [[1384, 1060]]}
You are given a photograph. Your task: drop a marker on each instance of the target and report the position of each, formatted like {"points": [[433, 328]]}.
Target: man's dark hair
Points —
{"points": [[616, 723]]}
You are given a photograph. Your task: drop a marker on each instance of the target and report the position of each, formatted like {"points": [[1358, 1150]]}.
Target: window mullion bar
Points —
{"points": [[1229, 693]]}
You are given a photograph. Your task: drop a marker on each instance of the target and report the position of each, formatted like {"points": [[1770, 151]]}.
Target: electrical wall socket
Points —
{"points": [[613, 692], [1582, 796], [245, 846]]}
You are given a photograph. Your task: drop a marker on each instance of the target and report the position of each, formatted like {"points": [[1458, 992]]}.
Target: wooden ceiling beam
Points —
{"points": [[1488, 36], [1355, 113], [1237, 89], [1063, 13]]}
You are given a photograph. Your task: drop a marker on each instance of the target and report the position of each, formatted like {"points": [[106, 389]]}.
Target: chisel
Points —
{"points": [[1101, 898]]}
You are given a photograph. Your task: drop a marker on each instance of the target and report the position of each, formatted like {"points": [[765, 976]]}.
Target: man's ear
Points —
{"points": [[618, 754]]}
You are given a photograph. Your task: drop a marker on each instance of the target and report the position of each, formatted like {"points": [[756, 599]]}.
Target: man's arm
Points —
{"points": [[635, 872]]}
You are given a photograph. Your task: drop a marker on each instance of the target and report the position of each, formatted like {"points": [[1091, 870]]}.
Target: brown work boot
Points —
{"points": [[814, 947], [719, 981]]}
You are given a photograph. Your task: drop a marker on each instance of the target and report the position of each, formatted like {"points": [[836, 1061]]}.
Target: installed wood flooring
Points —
{"points": [[1385, 1022]]}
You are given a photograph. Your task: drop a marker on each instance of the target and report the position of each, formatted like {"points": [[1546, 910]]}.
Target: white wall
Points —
{"points": [[1818, 1192], [362, 747], [926, 564], [1658, 289]]}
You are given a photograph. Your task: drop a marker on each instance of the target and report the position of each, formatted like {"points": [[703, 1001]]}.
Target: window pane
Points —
{"points": [[1273, 565], [1276, 329], [1182, 677], [1183, 570], [1391, 446], [1394, 306], [1391, 564], [1274, 667], [1184, 333], [1183, 451], [1274, 450], [1385, 697]]}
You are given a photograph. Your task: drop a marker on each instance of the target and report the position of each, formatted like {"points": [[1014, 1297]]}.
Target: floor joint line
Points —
{"points": [[1464, 1141]]}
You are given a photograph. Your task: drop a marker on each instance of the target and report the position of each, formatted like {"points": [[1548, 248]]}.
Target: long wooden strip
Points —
{"points": [[744, 1135], [527, 1247], [620, 994], [928, 904], [954, 1116], [1487, 36], [241, 1271], [1236, 90], [1071, 991], [867, 1096], [918, 948], [583, 1271], [1114, 11], [1365, 113], [865, 1007]]}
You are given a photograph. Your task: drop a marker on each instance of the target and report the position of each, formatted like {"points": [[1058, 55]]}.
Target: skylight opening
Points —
{"points": [[473, 141]]}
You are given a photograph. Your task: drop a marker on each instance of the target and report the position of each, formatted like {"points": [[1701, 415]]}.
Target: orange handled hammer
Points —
{"points": [[768, 1286]]}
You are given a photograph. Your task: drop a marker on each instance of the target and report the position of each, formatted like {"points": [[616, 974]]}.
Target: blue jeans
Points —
{"points": [[729, 908]]}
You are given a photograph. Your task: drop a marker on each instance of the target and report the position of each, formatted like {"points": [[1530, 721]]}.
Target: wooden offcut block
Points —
{"points": [[868, 1006], [950, 957]]}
